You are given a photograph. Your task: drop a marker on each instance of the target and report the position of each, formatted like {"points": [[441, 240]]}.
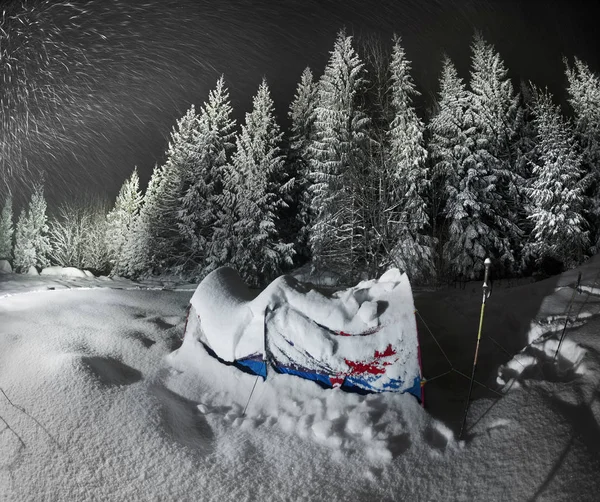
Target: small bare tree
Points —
{"points": [[77, 235]]}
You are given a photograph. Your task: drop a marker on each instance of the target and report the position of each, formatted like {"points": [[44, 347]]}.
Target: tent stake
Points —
{"points": [[486, 294]]}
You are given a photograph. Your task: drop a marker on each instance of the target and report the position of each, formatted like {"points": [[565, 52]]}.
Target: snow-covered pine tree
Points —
{"points": [[302, 116], [259, 253], [584, 97], [6, 230], [168, 252], [139, 250], [494, 108], [407, 157], [222, 245], [338, 164], [203, 183], [156, 244], [465, 205], [446, 147], [120, 222], [525, 147], [526, 136], [557, 189], [494, 103], [32, 245]]}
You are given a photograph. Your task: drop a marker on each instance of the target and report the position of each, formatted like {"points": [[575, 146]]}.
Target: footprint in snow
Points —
{"points": [[438, 436], [398, 444], [162, 323], [109, 371], [182, 420], [144, 340]]}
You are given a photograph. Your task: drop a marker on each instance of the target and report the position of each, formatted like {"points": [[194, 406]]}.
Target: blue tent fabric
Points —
{"points": [[255, 365]]}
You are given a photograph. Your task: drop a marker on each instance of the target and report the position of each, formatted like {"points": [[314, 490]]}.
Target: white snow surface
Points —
{"points": [[97, 403]]}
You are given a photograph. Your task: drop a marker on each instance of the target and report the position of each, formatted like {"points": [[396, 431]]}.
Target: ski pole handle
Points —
{"points": [[487, 264]]}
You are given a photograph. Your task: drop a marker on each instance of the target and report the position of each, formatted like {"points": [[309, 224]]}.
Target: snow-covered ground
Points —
{"points": [[98, 404]]}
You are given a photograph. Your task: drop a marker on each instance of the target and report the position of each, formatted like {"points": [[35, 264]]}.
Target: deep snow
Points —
{"points": [[105, 408]]}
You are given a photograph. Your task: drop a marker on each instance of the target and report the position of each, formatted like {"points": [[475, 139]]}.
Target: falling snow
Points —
{"points": [[90, 89]]}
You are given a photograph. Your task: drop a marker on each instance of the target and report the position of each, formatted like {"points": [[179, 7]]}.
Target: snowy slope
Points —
{"points": [[103, 409]]}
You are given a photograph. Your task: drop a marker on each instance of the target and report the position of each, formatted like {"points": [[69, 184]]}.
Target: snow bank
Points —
{"points": [[64, 272], [5, 267], [341, 421]]}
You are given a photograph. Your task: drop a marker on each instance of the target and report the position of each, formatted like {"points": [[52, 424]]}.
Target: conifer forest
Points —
{"points": [[358, 182]]}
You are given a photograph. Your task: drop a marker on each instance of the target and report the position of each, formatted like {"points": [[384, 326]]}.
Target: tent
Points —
{"points": [[362, 339]]}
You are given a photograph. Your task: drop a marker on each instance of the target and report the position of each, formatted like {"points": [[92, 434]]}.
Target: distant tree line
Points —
{"points": [[358, 184]]}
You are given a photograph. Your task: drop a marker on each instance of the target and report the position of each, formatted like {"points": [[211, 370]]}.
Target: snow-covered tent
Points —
{"points": [[362, 338]]}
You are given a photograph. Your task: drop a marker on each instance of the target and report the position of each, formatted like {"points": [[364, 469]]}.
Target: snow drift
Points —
{"points": [[108, 410], [362, 338]]}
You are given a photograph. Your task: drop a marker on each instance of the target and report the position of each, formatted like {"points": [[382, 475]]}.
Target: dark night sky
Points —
{"points": [[91, 89]]}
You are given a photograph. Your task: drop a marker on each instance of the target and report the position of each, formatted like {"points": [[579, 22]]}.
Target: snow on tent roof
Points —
{"points": [[362, 337]]}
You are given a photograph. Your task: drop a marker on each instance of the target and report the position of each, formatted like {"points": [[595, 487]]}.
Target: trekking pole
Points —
{"points": [[486, 293]]}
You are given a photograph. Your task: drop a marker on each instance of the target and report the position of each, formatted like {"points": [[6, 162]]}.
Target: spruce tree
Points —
{"points": [[6, 230], [448, 150], [584, 97], [525, 148], [258, 181], [526, 136], [120, 222], [456, 167], [32, 245], [407, 160], [494, 108], [168, 253], [222, 245], [156, 245], [200, 210], [557, 190], [302, 116], [338, 162], [140, 249]]}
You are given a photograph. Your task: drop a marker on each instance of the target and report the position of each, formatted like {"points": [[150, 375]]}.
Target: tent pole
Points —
{"points": [[250, 397], [267, 310]]}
